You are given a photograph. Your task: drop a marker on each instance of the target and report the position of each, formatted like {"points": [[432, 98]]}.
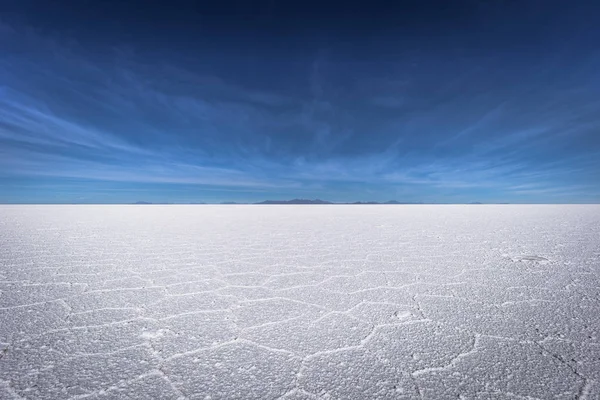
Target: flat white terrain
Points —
{"points": [[300, 302]]}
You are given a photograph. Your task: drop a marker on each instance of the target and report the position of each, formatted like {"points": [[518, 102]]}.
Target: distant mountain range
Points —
{"points": [[147, 202], [296, 201]]}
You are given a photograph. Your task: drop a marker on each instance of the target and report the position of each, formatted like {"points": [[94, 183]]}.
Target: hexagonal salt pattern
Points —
{"points": [[300, 302]]}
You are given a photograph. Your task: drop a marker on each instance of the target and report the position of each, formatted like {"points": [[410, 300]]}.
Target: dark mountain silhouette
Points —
{"points": [[402, 202], [295, 201], [308, 201], [147, 202], [318, 201]]}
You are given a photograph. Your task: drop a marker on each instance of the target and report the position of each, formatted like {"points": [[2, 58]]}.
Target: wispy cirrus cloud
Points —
{"points": [[117, 115]]}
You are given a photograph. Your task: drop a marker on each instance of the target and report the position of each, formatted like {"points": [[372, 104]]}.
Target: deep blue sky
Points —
{"points": [[433, 101]]}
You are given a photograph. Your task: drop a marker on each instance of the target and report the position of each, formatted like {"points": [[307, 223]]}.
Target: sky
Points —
{"points": [[415, 101]]}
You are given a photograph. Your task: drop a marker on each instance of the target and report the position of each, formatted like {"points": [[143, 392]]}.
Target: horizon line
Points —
{"points": [[284, 204]]}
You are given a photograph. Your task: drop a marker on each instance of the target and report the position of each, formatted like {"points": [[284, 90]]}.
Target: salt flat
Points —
{"points": [[300, 302]]}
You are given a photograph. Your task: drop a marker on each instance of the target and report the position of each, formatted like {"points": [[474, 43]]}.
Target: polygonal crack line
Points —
{"points": [[308, 285], [496, 307], [60, 301], [505, 392], [123, 289], [418, 305], [584, 380], [387, 303], [305, 359], [213, 291], [331, 313], [197, 312], [359, 291], [230, 287], [104, 309], [229, 342], [295, 390], [127, 276], [361, 345], [172, 384], [126, 382], [513, 302], [270, 323], [171, 296], [84, 328], [452, 362], [304, 303], [465, 299]]}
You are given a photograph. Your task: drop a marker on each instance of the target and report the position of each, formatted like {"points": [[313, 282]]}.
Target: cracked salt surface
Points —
{"points": [[300, 302]]}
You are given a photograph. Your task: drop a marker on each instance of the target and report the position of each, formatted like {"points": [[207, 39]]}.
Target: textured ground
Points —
{"points": [[299, 302]]}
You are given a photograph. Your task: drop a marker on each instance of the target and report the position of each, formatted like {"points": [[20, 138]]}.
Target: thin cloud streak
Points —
{"points": [[121, 117]]}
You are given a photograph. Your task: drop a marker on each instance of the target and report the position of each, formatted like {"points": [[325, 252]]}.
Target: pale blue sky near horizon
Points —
{"points": [[415, 101]]}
